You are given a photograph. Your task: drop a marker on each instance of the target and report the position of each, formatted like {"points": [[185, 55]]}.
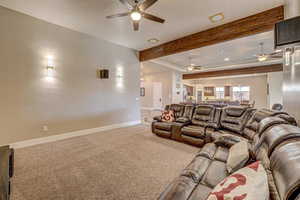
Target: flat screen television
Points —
{"points": [[287, 32]]}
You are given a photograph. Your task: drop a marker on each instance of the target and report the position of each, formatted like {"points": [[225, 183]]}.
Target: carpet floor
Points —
{"points": [[128, 163]]}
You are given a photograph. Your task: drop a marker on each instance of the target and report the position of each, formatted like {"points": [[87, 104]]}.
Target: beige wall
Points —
{"points": [[258, 86], [275, 81], [153, 72], [74, 98]]}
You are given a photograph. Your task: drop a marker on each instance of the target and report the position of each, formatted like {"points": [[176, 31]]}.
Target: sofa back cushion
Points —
{"points": [[276, 136], [178, 110], [279, 150], [234, 118], [203, 114], [285, 165], [188, 111]]}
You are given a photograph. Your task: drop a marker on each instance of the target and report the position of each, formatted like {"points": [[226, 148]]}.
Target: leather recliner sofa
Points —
{"points": [[194, 123], [204, 116], [164, 129], [172, 130], [233, 121], [278, 148]]}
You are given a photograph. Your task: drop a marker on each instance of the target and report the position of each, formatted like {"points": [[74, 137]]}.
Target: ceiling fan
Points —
{"points": [[137, 12], [263, 56], [192, 67]]}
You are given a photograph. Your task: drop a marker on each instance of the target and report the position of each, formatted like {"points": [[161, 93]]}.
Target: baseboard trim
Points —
{"points": [[42, 140]]}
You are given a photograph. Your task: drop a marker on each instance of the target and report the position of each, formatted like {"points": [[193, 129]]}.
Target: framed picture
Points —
{"points": [[142, 92]]}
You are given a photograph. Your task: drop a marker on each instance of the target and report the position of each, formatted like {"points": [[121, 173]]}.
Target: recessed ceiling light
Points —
{"points": [[217, 17], [153, 40], [226, 59]]}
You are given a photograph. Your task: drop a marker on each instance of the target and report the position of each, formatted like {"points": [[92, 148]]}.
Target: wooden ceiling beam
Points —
{"points": [[261, 22], [235, 72]]}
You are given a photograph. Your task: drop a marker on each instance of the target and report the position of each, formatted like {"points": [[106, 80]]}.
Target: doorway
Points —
{"points": [[157, 95]]}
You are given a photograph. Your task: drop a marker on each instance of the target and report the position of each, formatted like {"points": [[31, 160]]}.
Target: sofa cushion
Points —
{"points": [[215, 173], [180, 189], [285, 165], [196, 168], [215, 135], [235, 111], [249, 183], [238, 156], [203, 115], [183, 120], [234, 118], [201, 192], [163, 126], [188, 112], [194, 131], [178, 110], [227, 140]]}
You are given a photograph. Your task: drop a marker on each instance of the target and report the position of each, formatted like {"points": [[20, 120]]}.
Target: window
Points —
{"points": [[220, 93], [241, 93]]}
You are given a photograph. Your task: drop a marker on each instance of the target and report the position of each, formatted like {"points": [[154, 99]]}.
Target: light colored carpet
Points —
{"points": [[129, 163]]}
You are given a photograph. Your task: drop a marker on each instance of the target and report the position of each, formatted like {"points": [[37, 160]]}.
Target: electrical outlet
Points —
{"points": [[45, 128]]}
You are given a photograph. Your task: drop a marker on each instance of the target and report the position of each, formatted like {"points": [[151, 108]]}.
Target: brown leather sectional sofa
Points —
{"points": [[273, 139]]}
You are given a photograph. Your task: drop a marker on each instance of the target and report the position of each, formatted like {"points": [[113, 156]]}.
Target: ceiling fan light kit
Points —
{"points": [[264, 57], [192, 67], [137, 12], [136, 16]]}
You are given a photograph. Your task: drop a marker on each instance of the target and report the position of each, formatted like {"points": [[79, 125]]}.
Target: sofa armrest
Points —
{"points": [[183, 120], [207, 135], [157, 118], [176, 130]]}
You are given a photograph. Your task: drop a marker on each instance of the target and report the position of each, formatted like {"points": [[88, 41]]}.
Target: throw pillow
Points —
{"points": [[238, 156], [249, 183], [168, 116]]}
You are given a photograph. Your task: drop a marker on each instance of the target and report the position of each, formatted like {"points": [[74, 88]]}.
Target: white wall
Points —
{"points": [[275, 81]]}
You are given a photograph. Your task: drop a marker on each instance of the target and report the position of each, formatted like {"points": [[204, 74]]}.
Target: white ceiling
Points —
{"points": [[183, 17], [241, 52]]}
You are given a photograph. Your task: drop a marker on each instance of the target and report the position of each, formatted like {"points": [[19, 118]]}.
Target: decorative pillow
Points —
{"points": [[238, 156], [168, 116], [249, 183]]}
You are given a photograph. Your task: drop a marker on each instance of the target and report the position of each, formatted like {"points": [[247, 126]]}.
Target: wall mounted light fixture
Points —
{"points": [[50, 66]]}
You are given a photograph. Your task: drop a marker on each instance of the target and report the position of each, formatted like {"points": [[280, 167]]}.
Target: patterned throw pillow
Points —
{"points": [[248, 183], [168, 116]]}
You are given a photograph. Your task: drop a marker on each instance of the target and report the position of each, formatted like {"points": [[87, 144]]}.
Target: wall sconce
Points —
{"points": [[120, 72], [50, 66]]}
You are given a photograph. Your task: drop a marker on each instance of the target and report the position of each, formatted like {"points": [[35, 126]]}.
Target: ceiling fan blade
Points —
{"points": [[127, 4], [153, 18], [136, 25], [118, 15], [198, 67], [276, 56], [146, 4]]}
